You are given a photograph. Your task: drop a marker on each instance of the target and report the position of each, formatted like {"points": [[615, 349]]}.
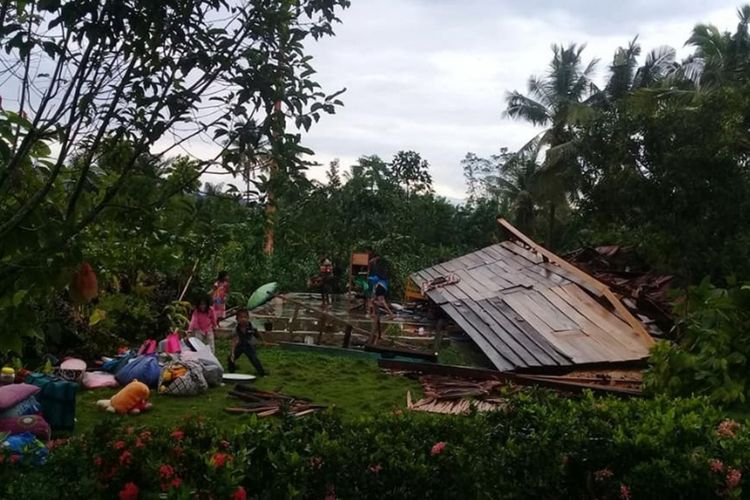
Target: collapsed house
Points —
{"points": [[529, 310]]}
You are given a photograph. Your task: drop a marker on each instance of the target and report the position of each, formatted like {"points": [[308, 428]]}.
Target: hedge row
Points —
{"points": [[543, 446]]}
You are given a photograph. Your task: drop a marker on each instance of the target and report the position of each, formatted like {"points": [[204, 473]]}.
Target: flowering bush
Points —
{"points": [[542, 447]]}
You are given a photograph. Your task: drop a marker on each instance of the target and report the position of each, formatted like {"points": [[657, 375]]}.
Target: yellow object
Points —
{"points": [[130, 396], [7, 370]]}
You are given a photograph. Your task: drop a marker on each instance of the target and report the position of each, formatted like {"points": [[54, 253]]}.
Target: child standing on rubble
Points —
{"points": [[245, 336]]}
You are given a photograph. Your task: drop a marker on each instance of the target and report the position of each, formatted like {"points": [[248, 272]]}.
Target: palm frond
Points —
{"points": [[520, 106]]}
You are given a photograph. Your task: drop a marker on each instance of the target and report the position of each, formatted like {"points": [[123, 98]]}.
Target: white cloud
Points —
{"points": [[430, 75]]}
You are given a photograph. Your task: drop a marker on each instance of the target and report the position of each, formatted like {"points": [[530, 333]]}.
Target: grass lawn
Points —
{"points": [[352, 385]]}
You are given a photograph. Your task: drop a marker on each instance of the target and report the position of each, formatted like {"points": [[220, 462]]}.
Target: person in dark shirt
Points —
{"points": [[378, 280], [242, 343]]}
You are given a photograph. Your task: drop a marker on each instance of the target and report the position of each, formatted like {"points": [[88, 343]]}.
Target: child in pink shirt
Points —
{"points": [[203, 322]]}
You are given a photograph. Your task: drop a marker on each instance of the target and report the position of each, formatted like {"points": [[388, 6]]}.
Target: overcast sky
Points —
{"points": [[430, 75]]}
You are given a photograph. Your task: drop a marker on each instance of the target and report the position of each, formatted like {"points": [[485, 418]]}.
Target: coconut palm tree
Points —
{"points": [[557, 101], [719, 56]]}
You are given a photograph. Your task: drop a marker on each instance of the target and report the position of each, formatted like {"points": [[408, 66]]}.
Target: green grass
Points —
{"points": [[354, 386]]}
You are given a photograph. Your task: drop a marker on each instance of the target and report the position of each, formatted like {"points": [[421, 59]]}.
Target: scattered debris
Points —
{"points": [[456, 396], [645, 293], [266, 404]]}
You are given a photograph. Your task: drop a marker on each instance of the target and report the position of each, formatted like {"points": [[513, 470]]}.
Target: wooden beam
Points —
{"points": [[515, 378], [407, 353], [331, 317], [631, 320]]}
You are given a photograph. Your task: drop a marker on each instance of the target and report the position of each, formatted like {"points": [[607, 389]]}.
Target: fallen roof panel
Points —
{"points": [[525, 310]]}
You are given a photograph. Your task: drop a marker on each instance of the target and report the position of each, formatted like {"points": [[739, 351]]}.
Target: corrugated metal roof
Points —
{"points": [[524, 312]]}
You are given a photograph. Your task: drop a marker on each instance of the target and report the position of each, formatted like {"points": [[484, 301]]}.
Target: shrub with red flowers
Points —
{"points": [[546, 447]]}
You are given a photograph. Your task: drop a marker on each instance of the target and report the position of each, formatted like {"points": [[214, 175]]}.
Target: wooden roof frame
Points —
{"points": [[548, 256]]}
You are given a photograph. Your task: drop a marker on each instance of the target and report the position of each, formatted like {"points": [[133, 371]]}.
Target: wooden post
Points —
{"points": [[375, 333], [290, 328], [347, 336], [439, 329], [322, 330]]}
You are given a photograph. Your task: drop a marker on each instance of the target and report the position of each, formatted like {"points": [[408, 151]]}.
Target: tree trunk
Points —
{"points": [[551, 228], [273, 168]]}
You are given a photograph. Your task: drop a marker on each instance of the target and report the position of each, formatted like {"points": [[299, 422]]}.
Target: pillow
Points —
{"points": [[29, 406], [34, 424], [12, 394], [95, 380]]}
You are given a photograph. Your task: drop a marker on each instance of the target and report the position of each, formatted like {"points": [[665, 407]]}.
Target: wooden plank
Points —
{"points": [[617, 330], [588, 326], [547, 311], [636, 325], [572, 278], [485, 255], [322, 314], [573, 346], [500, 340], [485, 345], [407, 353], [517, 249], [515, 378], [506, 314], [514, 338]]}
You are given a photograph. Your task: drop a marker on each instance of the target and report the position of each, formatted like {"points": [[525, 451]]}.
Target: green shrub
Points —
{"points": [[541, 447], [711, 355]]}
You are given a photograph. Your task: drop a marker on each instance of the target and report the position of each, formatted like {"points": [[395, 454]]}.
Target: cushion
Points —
{"points": [[12, 394], [35, 424], [96, 380], [29, 406]]}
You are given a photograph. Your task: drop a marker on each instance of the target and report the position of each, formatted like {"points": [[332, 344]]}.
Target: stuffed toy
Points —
{"points": [[132, 399]]}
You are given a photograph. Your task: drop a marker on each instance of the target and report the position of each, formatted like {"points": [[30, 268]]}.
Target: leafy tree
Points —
{"points": [[411, 171], [130, 74]]}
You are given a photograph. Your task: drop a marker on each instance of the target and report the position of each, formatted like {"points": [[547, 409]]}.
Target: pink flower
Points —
{"points": [[138, 443], [375, 469], [438, 448], [624, 492], [119, 445], [734, 477], [716, 465], [331, 494], [316, 462], [603, 474], [178, 434], [125, 458], [176, 482], [146, 435], [129, 492], [166, 471], [224, 444], [727, 428], [56, 443], [239, 494], [220, 459], [98, 461]]}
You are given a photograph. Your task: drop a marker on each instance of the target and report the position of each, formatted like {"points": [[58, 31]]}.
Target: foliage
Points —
{"points": [[544, 446], [711, 355], [105, 83]]}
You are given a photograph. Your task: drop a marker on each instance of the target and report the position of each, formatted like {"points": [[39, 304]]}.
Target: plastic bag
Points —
{"points": [[144, 368]]}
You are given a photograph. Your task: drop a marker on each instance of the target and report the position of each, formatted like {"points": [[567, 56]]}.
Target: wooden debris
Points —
{"points": [[269, 403], [454, 396]]}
